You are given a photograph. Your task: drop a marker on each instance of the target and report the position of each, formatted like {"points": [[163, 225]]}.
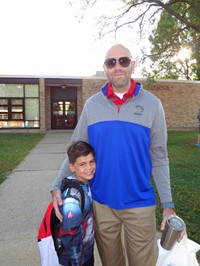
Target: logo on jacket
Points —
{"points": [[70, 215], [139, 110]]}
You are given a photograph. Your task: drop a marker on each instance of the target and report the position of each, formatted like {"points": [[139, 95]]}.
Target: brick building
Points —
{"points": [[33, 104]]}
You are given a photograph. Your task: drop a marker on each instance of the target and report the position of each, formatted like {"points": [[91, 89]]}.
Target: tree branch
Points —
{"points": [[175, 14]]}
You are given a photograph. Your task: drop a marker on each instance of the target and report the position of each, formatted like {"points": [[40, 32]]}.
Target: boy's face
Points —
{"points": [[84, 167]]}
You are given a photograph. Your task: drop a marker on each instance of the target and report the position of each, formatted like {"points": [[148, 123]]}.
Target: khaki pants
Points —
{"points": [[139, 230]]}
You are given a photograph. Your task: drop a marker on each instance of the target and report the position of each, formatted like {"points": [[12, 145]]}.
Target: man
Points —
{"points": [[126, 127]]}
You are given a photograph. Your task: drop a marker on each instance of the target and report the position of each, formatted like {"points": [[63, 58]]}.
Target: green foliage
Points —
{"points": [[167, 40], [13, 149], [184, 158], [162, 69]]}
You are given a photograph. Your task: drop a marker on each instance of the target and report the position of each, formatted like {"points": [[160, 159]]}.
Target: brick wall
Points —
{"points": [[180, 99], [48, 107], [92, 86], [42, 105], [79, 101]]}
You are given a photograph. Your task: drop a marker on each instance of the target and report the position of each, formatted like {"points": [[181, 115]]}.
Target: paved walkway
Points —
{"points": [[24, 196]]}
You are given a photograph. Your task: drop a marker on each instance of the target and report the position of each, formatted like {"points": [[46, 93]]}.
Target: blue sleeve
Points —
{"points": [[71, 230], [72, 213]]}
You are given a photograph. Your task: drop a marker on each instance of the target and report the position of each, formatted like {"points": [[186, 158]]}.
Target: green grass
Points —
{"points": [[13, 149], [184, 158]]}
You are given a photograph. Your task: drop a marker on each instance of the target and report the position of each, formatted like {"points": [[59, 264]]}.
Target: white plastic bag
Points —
{"points": [[182, 254]]}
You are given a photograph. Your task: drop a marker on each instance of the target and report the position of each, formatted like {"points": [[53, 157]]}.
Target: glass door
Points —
{"points": [[64, 114]]}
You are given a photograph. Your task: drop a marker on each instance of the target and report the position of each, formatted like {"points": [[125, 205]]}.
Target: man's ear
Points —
{"points": [[71, 167]]}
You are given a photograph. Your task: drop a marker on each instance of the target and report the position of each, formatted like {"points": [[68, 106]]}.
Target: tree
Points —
{"points": [[168, 39]]}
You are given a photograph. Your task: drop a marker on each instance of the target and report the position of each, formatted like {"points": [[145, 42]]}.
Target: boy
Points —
{"points": [[74, 236]]}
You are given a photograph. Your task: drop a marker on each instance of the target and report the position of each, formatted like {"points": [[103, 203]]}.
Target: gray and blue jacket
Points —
{"points": [[130, 146]]}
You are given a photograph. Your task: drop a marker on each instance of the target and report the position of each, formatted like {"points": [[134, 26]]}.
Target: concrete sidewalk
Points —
{"points": [[24, 196]]}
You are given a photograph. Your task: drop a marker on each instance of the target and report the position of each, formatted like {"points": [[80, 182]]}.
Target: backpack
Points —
{"points": [[49, 246]]}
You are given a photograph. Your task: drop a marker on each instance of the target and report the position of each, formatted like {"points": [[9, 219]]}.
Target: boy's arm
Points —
{"points": [[71, 229]]}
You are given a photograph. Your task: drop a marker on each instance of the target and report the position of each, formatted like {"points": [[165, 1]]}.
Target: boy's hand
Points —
{"points": [[57, 201]]}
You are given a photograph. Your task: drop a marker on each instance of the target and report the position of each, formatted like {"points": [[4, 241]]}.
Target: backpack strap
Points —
{"points": [[55, 223], [73, 183]]}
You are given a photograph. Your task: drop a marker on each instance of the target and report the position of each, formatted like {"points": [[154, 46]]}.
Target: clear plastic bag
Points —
{"points": [[182, 254]]}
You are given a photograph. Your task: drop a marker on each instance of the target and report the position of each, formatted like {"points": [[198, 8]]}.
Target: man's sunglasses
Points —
{"points": [[123, 61]]}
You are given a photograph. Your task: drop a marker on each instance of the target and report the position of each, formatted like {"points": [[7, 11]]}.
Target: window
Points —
{"points": [[16, 106], [19, 105], [3, 109]]}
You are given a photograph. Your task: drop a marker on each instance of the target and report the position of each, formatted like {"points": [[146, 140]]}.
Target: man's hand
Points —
{"points": [[57, 201], [166, 213]]}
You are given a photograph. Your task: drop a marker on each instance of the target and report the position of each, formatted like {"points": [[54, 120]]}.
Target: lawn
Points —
{"points": [[13, 149], [184, 158]]}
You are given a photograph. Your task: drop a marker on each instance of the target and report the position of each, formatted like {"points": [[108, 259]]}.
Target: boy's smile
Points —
{"points": [[84, 167]]}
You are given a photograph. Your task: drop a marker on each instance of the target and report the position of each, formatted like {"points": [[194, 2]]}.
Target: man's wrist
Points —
{"points": [[169, 205]]}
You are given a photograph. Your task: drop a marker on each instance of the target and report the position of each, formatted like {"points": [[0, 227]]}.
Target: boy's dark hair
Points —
{"points": [[78, 149]]}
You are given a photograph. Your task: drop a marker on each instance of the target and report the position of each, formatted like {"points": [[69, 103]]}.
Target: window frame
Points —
{"points": [[10, 113]]}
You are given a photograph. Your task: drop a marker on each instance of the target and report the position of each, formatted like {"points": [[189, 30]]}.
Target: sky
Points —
{"points": [[49, 38]]}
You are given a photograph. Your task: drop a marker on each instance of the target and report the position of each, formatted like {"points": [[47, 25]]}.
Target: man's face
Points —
{"points": [[118, 75]]}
